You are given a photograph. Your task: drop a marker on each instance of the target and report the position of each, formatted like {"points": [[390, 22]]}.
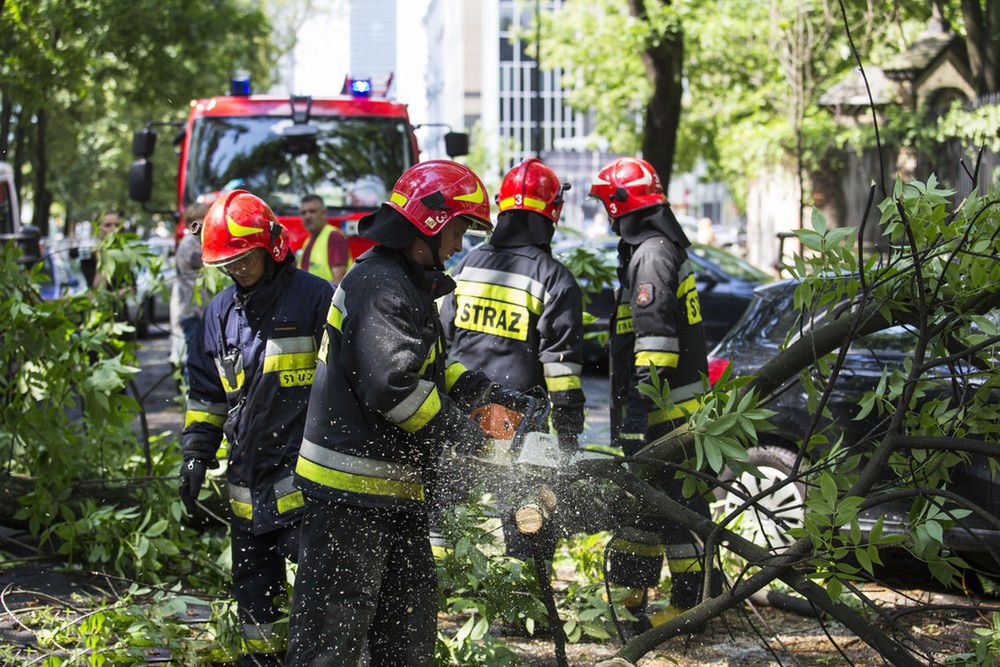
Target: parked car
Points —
{"points": [[725, 287], [757, 338], [64, 278]]}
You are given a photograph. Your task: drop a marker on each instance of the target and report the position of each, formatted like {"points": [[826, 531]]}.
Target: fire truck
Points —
{"points": [[349, 149]]}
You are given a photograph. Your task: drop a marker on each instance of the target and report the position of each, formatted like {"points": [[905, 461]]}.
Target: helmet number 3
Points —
{"points": [[613, 207]]}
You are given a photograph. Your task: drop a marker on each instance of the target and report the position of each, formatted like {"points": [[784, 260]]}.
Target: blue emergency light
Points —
{"points": [[361, 87], [240, 85]]}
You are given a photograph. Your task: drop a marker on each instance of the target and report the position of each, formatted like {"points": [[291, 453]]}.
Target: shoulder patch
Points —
{"points": [[644, 294]]}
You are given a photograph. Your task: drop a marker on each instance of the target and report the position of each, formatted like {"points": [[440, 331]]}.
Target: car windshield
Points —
{"points": [[352, 162], [729, 263]]}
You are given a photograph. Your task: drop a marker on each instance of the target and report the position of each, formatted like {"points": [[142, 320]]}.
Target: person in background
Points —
{"points": [[326, 253], [107, 224], [185, 311]]}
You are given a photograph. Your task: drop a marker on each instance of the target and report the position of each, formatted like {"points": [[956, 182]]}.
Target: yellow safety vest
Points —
{"points": [[319, 260]]}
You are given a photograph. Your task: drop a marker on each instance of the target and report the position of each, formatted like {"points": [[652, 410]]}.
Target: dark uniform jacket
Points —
{"points": [[517, 316], [251, 370], [382, 404], [657, 321]]}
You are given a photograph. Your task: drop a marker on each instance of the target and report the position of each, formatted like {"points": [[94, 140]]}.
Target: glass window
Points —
{"points": [[352, 162], [729, 263]]}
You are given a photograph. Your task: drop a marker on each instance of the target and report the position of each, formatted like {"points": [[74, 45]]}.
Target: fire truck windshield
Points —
{"points": [[352, 162]]}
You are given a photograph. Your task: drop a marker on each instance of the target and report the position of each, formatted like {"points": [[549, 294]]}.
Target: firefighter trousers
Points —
{"points": [[365, 574], [259, 583]]}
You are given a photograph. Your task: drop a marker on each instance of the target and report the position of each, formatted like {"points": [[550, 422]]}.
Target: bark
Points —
{"points": [[40, 167], [982, 44], [20, 153], [6, 111], [663, 60]]}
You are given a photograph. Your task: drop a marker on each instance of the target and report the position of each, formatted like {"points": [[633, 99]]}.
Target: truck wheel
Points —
{"points": [[786, 504]]}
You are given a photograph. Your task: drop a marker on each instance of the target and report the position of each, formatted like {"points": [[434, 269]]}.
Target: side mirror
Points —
{"points": [[456, 144], [140, 180], [143, 142]]}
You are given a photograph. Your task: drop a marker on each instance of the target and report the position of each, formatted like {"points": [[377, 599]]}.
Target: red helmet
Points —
{"points": [[430, 194], [236, 223], [627, 184], [532, 186]]}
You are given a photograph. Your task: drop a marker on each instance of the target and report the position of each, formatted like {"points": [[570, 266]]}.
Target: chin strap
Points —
{"points": [[434, 243]]}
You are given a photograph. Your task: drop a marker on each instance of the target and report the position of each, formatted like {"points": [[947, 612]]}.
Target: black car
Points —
{"points": [[769, 321], [725, 288]]}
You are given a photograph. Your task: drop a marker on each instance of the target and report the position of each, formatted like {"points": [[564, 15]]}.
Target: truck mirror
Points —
{"points": [[143, 142], [140, 180], [456, 144]]}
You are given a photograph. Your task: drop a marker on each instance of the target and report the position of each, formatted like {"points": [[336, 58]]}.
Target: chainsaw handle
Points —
{"points": [[535, 414]]}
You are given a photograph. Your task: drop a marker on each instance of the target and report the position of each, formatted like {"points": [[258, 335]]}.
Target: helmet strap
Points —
{"points": [[434, 243]]}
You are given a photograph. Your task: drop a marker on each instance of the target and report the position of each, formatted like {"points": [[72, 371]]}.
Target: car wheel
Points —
{"points": [[786, 504]]}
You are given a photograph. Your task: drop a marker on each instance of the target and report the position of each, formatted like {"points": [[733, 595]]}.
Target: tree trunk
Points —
{"points": [[40, 167], [664, 63], [6, 111], [981, 26], [20, 152]]}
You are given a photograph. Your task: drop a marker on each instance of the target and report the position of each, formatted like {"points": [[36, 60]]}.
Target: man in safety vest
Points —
{"points": [[385, 403], [326, 254], [251, 367], [517, 313], [656, 328]]}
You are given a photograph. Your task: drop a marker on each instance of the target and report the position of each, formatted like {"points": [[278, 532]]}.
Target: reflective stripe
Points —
{"points": [[290, 345], [556, 368], [288, 497], [631, 436], [452, 373], [343, 481], [664, 415], [686, 285], [679, 565], [205, 406], [682, 551], [407, 407], [426, 412], [228, 388], [564, 383], [530, 202], [515, 280], [290, 362], [637, 548], [623, 312], [338, 311], [684, 392], [398, 199], [512, 295], [264, 638], [431, 356], [195, 416], [359, 465], [657, 343], [241, 501], [658, 359]]}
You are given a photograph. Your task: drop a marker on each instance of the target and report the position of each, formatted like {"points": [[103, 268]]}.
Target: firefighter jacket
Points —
{"points": [[251, 370], [656, 326], [385, 400], [517, 316]]}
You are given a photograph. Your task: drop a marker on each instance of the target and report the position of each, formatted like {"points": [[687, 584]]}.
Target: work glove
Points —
{"points": [[192, 479], [467, 437]]}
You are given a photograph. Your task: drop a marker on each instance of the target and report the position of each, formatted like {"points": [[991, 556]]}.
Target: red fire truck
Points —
{"points": [[348, 149]]}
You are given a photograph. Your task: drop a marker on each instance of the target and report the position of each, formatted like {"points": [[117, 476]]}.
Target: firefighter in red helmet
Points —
{"points": [[385, 403], [656, 328], [251, 368]]}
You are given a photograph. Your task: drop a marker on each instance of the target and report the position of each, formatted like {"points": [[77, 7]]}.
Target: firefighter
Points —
{"points": [[655, 328], [517, 312], [251, 368], [326, 252], [385, 403]]}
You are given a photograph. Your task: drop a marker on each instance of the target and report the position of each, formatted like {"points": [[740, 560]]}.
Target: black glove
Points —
{"points": [[192, 478], [467, 437]]}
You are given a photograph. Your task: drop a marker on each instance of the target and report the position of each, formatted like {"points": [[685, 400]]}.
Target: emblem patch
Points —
{"points": [[644, 294]]}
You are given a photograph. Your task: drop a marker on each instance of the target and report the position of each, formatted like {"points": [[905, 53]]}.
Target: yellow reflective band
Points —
{"points": [[491, 317], [242, 510], [678, 565], [289, 362], [510, 295], [440, 552], [530, 202], [398, 199], [431, 356], [664, 415], [230, 388], [454, 371], [345, 481], [427, 410], [624, 326], [476, 196], [658, 359], [193, 416], [335, 318], [637, 548], [289, 502], [275, 645], [564, 383], [686, 285], [624, 311], [324, 347]]}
